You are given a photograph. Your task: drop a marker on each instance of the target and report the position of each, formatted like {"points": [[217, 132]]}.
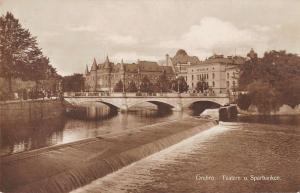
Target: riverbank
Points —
{"points": [[65, 167], [24, 111], [283, 110]]}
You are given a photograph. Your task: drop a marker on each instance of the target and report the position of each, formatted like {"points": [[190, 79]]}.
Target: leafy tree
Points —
{"points": [[119, 86], [163, 83], [73, 83], [19, 53], [278, 73], [264, 97], [179, 85], [146, 85], [201, 86], [132, 87], [244, 101]]}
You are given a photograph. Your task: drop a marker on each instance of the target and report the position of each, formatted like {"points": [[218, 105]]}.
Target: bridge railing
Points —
{"points": [[141, 94]]}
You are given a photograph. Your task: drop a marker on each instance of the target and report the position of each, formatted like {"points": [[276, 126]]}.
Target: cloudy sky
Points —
{"points": [[73, 32]]}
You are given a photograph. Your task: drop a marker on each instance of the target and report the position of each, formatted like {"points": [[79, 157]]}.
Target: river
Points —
{"points": [[244, 156], [24, 137], [253, 154]]}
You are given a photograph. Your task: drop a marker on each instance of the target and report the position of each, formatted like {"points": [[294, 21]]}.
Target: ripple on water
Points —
{"points": [[243, 150]]}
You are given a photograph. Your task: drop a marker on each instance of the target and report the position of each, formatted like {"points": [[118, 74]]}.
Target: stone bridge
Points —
{"points": [[124, 101]]}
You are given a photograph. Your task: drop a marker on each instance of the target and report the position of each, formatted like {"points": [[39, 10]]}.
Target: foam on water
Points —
{"points": [[137, 172]]}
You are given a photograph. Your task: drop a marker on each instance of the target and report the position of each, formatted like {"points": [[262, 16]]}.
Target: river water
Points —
{"points": [[231, 157], [254, 154], [24, 137]]}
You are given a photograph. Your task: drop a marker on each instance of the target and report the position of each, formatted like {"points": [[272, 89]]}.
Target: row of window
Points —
{"points": [[203, 76], [201, 69], [213, 84]]}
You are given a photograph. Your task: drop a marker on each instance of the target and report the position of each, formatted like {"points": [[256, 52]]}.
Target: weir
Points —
{"points": [[65, 167]]}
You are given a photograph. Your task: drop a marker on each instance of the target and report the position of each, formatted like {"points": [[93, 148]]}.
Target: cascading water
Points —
{"points": [[63, 168]]}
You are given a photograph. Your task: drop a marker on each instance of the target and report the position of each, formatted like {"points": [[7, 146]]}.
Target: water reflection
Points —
{"points": [[18, 138], [270, 119], [23, 137]]}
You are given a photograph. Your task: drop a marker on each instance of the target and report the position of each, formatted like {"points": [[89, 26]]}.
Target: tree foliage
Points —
{"points": [[163, 83], [201, 86], [73, 83], [19, 53], [244, 101], [146, 85], [119, 86], [272, 80], [179, 85], [131, 87]]}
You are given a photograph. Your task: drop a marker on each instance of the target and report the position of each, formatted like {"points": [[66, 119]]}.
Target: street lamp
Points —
{"points": [[124, 74]]}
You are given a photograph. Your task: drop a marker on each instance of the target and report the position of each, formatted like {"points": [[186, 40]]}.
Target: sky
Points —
{"points": [[73, 32]]}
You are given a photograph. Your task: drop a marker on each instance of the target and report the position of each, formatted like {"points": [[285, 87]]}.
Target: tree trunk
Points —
{"points": [[10, 86]]}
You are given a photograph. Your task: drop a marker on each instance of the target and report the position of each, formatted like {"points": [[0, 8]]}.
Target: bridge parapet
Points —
{"points": [[119, 94], [124, 101]]}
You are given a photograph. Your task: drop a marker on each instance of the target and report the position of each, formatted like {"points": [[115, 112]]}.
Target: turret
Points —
{"points": [[86, 70], [107, 63], [252, 54], [122, 66], [94, 65]]}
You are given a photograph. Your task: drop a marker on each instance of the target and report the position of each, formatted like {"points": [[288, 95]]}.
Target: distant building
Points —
{"points": [[219, 73], [104, 76], [180, 62]]}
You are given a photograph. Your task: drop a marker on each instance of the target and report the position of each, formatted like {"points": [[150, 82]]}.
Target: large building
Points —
{"points": [[219, 73], [180, 62], [104, 76]]}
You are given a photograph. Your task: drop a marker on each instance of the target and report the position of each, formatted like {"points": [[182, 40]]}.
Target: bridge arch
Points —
{"points": [[195, 101]]}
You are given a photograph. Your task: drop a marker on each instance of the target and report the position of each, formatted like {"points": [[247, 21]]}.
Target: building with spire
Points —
{"points": [[102, 77]]}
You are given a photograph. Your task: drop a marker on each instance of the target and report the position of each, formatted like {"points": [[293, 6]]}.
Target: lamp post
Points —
{"points": [[124, 89]]}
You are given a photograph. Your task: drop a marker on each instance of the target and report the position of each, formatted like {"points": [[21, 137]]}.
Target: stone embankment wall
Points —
{"points": [[29, 110], [283, 110]]}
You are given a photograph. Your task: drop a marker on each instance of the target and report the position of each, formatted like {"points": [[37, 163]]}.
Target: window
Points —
{"points": [[227, 75], [213, 75], [227, 84], [233, 83], [192, 77], [213, 83]]}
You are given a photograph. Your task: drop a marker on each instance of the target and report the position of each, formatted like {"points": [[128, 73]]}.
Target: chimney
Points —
{"points": [[167, 59]]}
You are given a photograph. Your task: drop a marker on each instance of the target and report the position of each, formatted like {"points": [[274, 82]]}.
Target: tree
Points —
{"points": [[146, 85], [119, 86], [201, 86], [73, 83], [19, 53], [264, 97], [132, 87], [275, 76], [244, 101], [163, 83], [179, 85]]}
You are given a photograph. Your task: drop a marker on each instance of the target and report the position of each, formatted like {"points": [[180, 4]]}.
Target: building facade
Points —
{"points": [[181, 62], [220, 74], [104, 76]]}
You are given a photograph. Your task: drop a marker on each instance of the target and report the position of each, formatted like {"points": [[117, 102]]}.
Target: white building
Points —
{"points": [[221, 74]]}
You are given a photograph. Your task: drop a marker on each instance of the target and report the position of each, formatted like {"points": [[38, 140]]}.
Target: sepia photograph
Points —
{"points": [[150, 96]]}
